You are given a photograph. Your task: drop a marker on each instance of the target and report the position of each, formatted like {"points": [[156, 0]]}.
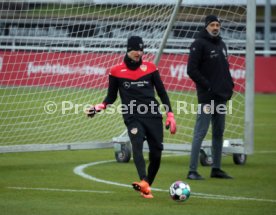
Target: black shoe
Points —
{"points": [[193, 175], [218, 173]]}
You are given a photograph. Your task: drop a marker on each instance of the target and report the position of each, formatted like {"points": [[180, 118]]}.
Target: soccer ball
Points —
{"points": [[180, 191]]}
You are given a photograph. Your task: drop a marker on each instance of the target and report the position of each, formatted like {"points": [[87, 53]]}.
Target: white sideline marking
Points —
{"points": [[79, 170], [265, 152], [60, 190]]}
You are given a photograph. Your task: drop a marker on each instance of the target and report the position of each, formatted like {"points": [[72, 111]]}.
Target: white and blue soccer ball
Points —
{"points": [[180, 191]]}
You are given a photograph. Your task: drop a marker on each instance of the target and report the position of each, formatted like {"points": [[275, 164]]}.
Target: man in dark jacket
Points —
{"points": [[136, 81], [208, 67]]}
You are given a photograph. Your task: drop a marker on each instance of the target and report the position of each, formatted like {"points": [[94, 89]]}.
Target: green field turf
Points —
{"points": [[45, 182]]}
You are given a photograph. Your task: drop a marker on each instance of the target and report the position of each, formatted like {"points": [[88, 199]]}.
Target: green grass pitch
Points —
{"points": [[45, 182]]}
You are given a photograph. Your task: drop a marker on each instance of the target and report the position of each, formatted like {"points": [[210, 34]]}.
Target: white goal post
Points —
{"points": [[55, 58]]}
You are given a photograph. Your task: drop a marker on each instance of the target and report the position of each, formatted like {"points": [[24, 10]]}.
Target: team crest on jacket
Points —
{"points": [[134, 131], [143, 67]]}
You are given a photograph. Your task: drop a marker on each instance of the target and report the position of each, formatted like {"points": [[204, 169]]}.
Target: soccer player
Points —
{"points": [[208, 67], [136, 80]]}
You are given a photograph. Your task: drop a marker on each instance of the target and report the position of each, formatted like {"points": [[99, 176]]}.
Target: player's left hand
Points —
{"points": [[171, 123]]}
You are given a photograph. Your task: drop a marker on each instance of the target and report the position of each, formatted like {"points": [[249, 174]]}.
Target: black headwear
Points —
{"points": [[135, 43], [211, 18]]}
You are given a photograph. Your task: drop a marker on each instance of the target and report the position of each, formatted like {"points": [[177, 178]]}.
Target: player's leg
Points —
{"points": [[218, 125], [154, 135], [201, 127], [137, 134]]}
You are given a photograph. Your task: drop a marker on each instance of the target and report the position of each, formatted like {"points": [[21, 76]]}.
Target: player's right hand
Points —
{"points": [[90, 112]]}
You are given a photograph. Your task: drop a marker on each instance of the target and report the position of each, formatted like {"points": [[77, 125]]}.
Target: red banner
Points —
{"points": [[265, 75], [90, 70]]}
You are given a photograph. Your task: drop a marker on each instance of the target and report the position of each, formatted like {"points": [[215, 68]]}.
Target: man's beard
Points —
{"points": [[214, 33]]}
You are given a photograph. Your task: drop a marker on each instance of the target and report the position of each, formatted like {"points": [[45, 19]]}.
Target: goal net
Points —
{"points": [[55, 57]]}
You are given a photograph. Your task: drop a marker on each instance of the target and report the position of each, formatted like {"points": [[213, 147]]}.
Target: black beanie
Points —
{"points": [[135, 43], [211, 18]]}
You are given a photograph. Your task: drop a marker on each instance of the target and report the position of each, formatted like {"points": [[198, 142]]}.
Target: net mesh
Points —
{"points": [[55, 57]]}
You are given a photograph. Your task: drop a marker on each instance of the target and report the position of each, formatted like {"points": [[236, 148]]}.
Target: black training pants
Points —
{"points": [[150, 129]]}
